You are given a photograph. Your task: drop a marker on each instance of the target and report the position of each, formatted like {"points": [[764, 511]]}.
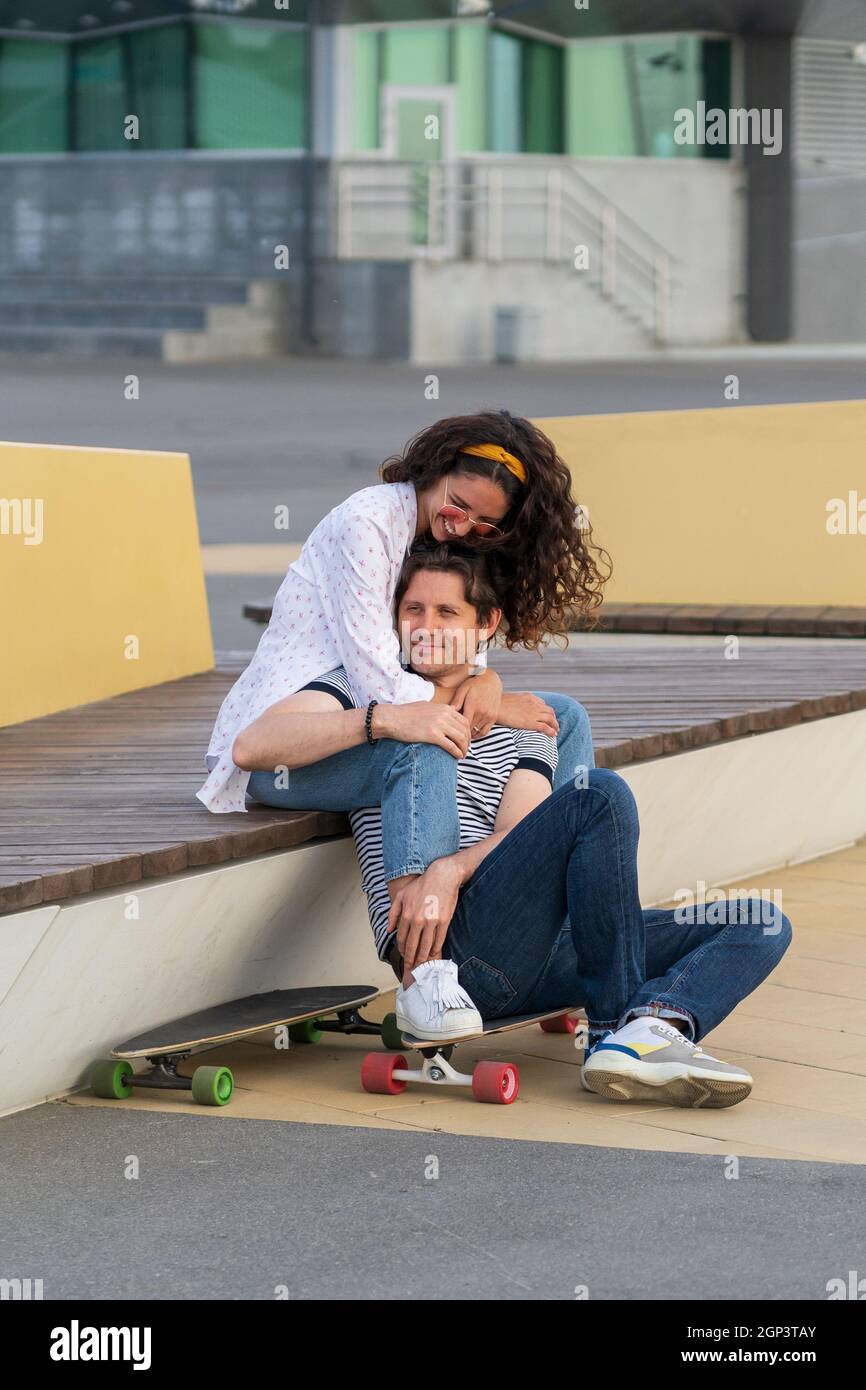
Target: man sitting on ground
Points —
{"points": [[538, 908]]}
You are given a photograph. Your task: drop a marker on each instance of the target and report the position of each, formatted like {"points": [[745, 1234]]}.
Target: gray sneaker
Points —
{"points": [[664, 1067]]}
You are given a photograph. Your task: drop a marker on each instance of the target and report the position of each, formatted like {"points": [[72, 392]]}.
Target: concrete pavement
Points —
{"points": [[238, 1210]]}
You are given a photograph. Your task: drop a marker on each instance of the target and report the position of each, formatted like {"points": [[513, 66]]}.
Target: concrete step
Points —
{"points": [[170, 318], [168, 289], [81, 342], [223, 345], [99, 315]]}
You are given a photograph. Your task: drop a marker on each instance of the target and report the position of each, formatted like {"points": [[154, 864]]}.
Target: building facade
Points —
{"points": [[220, 177]]}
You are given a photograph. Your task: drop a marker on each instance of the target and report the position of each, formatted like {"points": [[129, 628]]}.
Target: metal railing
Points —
{"points": [[503, 210]]}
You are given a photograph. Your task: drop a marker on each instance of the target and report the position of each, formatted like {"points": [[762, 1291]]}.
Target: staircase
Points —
{"points": [[170, 318], [508, 211]]}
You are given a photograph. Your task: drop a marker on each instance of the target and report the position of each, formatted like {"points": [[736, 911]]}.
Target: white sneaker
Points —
{"points": [[436, 1005]]}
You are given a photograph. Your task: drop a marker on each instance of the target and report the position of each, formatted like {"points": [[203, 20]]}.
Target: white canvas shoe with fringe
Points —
{"points": [[436, 1006]]}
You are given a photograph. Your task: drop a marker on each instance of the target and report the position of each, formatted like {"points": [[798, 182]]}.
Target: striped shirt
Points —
{"points": [[481, 779]]}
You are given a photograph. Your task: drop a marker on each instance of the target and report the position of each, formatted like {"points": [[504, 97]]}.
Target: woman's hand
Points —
{"points": [[424, 721], [421, 912], [523, 710], [479, 698]]}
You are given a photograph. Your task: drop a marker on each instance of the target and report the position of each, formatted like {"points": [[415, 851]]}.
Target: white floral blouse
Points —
{"points": [[333, 609]]}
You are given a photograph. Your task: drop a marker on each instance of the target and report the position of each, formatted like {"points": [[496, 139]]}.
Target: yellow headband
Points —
{"points": [[499, 455]]}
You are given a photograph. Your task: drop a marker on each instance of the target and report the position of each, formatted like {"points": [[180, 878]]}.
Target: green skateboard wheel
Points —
{"points": [[305, 1032], [392, 1038], [111, 1079], [212, 1085]]}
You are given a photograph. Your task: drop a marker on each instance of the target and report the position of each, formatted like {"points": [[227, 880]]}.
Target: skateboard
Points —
{"points": [[388, 1073], [170, 1043]]}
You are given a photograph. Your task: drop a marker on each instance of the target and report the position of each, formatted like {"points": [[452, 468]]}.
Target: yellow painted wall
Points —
{"points": [[724, 505], [119, 558]]}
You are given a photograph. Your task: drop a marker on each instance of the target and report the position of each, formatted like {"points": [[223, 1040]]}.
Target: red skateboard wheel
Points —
{"points": [[563, 1024], [496, 1082], [377, 1073]]}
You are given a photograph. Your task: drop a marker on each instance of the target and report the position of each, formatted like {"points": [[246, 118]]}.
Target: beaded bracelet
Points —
{"points": [[368, 722]]}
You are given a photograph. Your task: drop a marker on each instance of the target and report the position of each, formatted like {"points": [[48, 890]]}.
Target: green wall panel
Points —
{"points": [[365, 89], [32, 97], [598, 110], [101, 104], [249, 87], [417, 56], [470, 74]]}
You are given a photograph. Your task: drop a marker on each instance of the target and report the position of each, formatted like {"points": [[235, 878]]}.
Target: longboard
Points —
{"points": [[496, 1025], [386, 1073], [170, 1043]]}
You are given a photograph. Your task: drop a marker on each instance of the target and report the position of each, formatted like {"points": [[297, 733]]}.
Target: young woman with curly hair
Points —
{"points": [[491, 481], [541, 560]]}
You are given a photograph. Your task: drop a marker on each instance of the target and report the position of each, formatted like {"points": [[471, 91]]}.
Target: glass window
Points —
{"points": [[410, 56], [664, 74], [542, 97], [524, 79], [716, 65], [526, 102], [100, 95], [506, 96], [32, 97], [141, 73], [622, 94], [157, 85], [250, 87]]}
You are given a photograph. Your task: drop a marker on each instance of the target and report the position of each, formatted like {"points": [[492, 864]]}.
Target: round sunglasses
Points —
{"points": [[459, 514]]}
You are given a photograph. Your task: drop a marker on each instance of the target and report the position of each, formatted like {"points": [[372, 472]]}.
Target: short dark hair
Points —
{"points": [[451, 559]]}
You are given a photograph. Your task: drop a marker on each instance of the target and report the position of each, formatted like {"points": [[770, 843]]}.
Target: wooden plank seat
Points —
{"points": [[103, 796]]}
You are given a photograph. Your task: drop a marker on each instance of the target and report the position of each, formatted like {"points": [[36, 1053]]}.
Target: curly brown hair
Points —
{"points": [[546, 570]]}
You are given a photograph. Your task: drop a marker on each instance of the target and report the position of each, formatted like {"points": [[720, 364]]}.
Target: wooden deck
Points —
{"points": [[104, 796]]}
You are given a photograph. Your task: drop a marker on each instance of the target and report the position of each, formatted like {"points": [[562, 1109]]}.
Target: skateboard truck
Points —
{"points": [[114, 1080], [164, 1076], [498, 1083], [436, 1069], [386, 1073], [347, 1021]]}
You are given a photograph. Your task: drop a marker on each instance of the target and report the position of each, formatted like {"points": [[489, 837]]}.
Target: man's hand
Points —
{"points": [[421, 912], [479, 698], [424, 721], [523, 710]]}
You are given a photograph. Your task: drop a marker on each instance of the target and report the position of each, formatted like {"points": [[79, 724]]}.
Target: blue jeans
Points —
{"points": [[414, 783], [552, 918]]}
